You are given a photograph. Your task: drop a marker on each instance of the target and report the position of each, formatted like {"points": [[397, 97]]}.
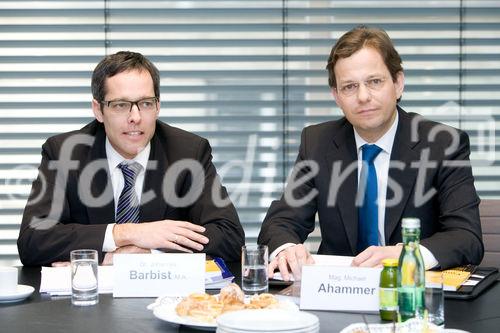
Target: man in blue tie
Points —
{"points": [[127, 182], [363, 173]]}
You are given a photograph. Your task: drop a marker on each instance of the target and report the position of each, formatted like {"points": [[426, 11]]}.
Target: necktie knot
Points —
{"points": [[130, 171], [370, 152]]}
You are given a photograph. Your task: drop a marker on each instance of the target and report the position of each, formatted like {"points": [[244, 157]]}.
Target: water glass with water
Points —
{"points": [[84, 277], [254, 262], [434, 297]]}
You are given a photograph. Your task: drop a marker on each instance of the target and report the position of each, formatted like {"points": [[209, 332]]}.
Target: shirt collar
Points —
{"points": [[114, 158], [385, 142]]}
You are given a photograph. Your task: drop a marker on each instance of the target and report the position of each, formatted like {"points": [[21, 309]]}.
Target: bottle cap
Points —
{"points": [[410, 222], [390, 262]]}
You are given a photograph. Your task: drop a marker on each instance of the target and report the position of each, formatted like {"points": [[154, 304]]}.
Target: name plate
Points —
{"points": [[352, 289], [162, 274]]}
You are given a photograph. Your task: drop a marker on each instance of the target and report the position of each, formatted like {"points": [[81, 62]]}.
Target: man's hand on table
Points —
{"points": [[141, 237], [60, 264], [108, 257], [373, 255], [290, 261], [166, 234]]}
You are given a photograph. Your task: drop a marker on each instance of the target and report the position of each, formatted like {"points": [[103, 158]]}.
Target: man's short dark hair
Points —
{"points": [[121, 62], [358, 38]]}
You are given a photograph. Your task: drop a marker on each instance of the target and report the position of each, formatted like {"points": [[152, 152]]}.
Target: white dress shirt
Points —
{"points": [[382, 167], [381, 162], [118, 182]]}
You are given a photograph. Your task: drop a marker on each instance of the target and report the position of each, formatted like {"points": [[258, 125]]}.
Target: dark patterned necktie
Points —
{"points": [[128, 203], [368, 212]]}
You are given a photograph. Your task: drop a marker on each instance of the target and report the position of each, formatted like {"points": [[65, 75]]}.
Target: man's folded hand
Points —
{"points": [[108, 258]]}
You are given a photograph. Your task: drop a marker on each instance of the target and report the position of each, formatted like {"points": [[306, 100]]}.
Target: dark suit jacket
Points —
{"points": [[81, 226], [450, 225]]}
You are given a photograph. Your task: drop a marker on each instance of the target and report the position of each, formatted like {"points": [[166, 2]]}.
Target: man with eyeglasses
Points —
{"points": [[366, 171], [127, 182]]}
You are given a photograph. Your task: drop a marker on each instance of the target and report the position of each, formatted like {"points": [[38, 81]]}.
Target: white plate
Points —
{"points": [[21, 293], [164, 309], [409, 326], [268, 320]]}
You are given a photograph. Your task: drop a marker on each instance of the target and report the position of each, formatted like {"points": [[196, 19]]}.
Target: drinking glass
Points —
{"points": [[254, 262], [434, 297], [84, 277]]}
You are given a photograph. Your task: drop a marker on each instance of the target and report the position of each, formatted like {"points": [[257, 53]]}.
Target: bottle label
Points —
{"points": [[388, 299]]}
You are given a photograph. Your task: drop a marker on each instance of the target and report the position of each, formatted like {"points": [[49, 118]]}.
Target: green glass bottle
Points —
{"points": [[411, 273], [388, 291]]}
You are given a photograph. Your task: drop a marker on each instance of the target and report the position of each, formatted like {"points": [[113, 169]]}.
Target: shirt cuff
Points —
{"points": [[109, 242], [279, 249], [429, 260]]}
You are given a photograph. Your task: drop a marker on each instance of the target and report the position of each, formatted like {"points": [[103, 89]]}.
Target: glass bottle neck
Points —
{"points": [[411, 235]]}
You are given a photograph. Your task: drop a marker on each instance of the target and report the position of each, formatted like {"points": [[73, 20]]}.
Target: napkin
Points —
{"points": [[56, 281]]}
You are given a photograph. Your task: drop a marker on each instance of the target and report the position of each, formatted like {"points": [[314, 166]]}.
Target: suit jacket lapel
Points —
{"points": [[153, 205], [344, 151], [101, 183], [402, 151]]}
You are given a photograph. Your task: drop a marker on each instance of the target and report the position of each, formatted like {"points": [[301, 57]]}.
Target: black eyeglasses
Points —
{"points": [[122, 107]]}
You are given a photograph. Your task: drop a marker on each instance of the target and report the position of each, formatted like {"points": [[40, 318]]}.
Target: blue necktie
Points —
{"points": [[368, 212], [128, 204]]}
